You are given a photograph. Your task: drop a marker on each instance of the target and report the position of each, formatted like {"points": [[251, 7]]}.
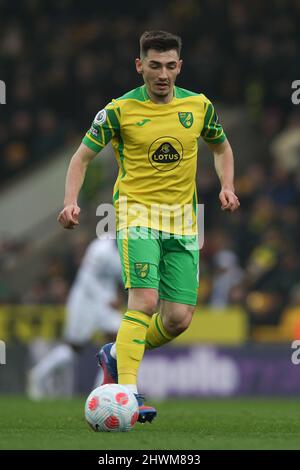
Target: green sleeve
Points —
{"points": [[212, 131], [105, 126]]}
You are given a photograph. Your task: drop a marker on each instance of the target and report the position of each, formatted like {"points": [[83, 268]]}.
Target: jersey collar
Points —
{"points": [[147, 97]]}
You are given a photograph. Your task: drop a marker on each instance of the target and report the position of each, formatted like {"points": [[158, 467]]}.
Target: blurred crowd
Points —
{"points": [[62, 63], [251, 258]]}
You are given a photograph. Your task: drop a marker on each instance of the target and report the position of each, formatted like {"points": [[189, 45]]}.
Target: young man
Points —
{"points": [[154, 131]]}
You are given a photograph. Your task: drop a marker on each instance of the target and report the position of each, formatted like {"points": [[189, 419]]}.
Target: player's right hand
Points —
{"points": [[68, 217]]}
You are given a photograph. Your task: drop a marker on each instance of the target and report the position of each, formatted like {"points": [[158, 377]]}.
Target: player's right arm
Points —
{"points": [[105, 126], [68, 217]]}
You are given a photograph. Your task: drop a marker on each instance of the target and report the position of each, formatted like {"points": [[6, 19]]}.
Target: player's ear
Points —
{"points": [[139, 66], [179, 66]]}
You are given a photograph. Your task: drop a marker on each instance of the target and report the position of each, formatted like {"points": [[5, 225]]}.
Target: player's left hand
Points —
{"points": [[229, 201]]}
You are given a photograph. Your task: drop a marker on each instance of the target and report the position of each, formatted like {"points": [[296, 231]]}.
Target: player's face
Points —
{"points": [[159, 70]]}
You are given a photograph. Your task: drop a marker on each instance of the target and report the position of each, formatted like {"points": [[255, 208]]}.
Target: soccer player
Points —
{"points": [[91, 307], [154, 131]]}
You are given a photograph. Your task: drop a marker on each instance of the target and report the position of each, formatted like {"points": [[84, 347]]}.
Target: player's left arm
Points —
{"points": [[224, 165], [213, 134]]}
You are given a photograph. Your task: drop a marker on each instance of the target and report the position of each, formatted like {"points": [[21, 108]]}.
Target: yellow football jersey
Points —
{"points": [[156, 149]]}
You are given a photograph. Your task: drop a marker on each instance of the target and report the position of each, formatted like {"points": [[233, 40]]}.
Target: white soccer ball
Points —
{"points": [[111, 407]]}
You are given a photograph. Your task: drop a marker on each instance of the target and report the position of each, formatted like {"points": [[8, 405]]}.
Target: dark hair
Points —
{"points": [[160, 41]]}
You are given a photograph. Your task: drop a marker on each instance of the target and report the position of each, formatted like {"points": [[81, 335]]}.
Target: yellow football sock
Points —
{"points": [[157, 335], [130, 345]]}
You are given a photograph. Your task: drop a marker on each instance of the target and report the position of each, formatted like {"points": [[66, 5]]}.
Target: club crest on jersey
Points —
{"points": [[186, 119], [100, 117], [141, 269]]}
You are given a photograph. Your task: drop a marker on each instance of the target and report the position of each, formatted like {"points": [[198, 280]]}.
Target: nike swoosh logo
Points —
{"points": [[141, 123]]}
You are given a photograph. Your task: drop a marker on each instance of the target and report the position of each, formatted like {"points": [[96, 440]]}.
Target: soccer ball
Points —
{"points": [[111, 407]]}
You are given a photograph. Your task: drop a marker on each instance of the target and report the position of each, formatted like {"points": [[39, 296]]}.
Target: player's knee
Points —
{"points": [[176, 325], [149, 306], [179, 327], [145, 300], [184, 324]]}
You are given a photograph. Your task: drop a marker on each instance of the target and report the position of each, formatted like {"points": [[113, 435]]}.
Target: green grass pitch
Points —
{"points": [[180, 424]]}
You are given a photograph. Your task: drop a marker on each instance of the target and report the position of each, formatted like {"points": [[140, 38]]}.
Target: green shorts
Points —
{"points": [[161, 261]]}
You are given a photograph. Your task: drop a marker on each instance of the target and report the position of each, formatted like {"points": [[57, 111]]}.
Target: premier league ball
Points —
{"points": [[111, 407]]}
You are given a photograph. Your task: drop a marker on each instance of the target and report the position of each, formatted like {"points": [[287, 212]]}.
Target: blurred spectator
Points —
{"points": [[227, 275], [285, 147], [57, 291], [294, 297]]}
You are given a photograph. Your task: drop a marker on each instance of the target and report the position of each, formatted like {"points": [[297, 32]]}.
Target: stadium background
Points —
{"points": [[61, 62]]}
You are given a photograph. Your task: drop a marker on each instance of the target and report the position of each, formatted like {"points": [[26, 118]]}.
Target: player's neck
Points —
{"points": [[161, 99]]}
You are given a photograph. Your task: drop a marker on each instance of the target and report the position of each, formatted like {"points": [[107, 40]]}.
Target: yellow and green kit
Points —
{"points": [[156, 149]]}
